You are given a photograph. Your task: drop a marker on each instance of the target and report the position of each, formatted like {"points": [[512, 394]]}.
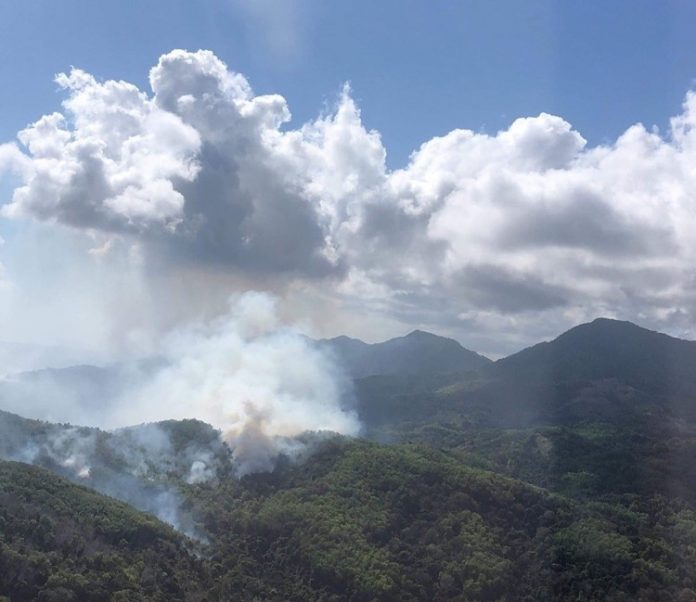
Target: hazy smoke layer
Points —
{"points": [[136, 465], [261, 384]]}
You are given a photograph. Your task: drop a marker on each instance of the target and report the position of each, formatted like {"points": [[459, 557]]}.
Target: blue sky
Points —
{"points": [[418, 69]]}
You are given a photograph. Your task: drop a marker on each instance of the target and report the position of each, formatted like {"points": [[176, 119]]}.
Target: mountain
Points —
{"points": [[357, 520], [564, 472], [60, 541], [607, 408], [606, 370], [360, 521], [648, 360], [416, 353]]}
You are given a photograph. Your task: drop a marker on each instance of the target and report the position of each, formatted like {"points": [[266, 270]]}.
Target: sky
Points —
{"points": [[418, 69], [476, 169]]}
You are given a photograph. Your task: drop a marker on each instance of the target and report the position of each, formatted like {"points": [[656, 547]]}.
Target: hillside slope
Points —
{"points": [[60, 541], [606, 408], [360, 521], [354, 521], [139, 465]]}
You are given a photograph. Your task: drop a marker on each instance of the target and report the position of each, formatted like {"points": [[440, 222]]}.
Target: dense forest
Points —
{"points": [[64, 542], [564, 472]]}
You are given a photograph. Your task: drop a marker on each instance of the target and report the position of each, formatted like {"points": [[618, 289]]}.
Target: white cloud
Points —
{"points": [[528, 228], [111, 165], [12, 160]]}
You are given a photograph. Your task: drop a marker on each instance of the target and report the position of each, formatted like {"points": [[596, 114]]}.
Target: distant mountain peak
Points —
{"points": [[600, 327], [418, 352], [608, 348], [602, 322], [422, 333], [342, 338]]}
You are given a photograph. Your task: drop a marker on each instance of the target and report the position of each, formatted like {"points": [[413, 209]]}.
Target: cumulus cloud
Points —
{"points": [[12, 160], [112, 166], [187, 169], [526, 229]]}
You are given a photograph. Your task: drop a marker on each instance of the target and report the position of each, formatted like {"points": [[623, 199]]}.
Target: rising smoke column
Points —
{"points": [[260, 383]]}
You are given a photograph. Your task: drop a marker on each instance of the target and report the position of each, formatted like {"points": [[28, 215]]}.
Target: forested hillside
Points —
{"points": [[361, 521], [60, 542], [565, 472], [357, 521]]}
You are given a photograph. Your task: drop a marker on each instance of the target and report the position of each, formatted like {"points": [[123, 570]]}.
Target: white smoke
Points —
{"points": [[69, 448], [139, 465], [258, 382]]}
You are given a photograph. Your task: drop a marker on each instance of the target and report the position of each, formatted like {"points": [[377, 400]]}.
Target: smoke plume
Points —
{"points": [[260, 383]]}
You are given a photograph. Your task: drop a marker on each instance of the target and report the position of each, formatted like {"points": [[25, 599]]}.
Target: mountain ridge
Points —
{"points": [[416, 352], [606, 348]]}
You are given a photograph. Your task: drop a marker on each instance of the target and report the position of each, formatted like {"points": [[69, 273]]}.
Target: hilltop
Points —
{"points": [[418, 353]]}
